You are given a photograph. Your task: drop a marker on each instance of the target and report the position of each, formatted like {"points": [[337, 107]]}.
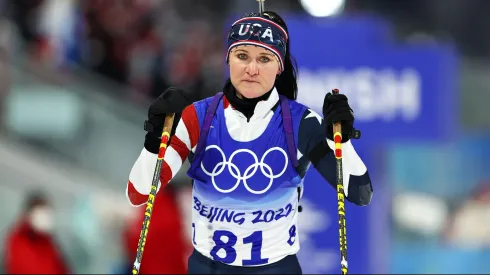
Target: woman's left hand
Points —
{"points": [[336, 109]]}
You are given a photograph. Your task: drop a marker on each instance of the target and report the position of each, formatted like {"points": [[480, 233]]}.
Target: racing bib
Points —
{"points": [[251, 237]]}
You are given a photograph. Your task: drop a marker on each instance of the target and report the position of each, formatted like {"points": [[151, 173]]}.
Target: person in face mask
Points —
{"points": [[30, 247]]}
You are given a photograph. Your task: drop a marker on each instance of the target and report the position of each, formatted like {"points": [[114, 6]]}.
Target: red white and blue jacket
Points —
{"points": [[245, 192]]}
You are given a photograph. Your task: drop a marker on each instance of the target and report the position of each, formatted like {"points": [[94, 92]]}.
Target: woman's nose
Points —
{"points": [[252, 68]]}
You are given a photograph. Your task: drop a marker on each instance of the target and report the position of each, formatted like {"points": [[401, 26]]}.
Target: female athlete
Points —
{"points": [[249, 148]]}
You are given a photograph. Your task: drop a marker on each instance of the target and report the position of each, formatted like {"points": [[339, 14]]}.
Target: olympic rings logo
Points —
{"points": [[249, 172]]}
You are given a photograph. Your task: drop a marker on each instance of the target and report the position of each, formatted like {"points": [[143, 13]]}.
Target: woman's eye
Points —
{"points": [[242, 56], [264, 59]]}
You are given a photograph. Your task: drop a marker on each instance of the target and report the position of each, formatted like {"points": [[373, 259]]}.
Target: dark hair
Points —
{"points": [[286, 83], [35, 198]]}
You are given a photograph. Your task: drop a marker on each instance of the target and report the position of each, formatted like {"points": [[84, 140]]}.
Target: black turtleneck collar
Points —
{"points": [[244, 105]]}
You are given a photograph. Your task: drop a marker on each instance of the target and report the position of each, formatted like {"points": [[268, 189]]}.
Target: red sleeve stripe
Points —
{"points": [[166, 174], [183, 135], [189, 117], [134, 196], [180, 147], [174, 160]]}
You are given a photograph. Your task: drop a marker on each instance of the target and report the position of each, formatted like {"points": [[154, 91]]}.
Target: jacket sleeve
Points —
{"points": [[181, 144], [312, 138]]}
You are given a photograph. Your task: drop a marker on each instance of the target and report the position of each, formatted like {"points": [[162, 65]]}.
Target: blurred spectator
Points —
{"points": [[152, 47], [107, 40], [146, 50], [26, 14], [166, 249], [30, 247], [470, 227]]}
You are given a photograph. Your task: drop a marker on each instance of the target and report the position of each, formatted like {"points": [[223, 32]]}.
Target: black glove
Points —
{"points": [[172, 100], [336, 109]]}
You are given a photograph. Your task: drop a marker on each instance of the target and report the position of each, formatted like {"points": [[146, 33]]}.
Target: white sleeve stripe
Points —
{"points": [[141, 174], [351, 163], [173, 160], [182, 133], [350, 158]]}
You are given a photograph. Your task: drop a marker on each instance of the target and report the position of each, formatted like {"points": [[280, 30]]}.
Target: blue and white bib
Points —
{"points": [[245, 199]]}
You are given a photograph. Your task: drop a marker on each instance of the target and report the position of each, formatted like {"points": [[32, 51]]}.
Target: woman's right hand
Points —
{"points": [[172, 100]]}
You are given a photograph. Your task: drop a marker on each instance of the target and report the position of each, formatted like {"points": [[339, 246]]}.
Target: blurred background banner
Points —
{"points": [[77, 76], [398, 91]]}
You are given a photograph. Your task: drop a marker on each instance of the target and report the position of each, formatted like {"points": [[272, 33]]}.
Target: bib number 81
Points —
{"points": [[230, 253], [230, 241]]}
